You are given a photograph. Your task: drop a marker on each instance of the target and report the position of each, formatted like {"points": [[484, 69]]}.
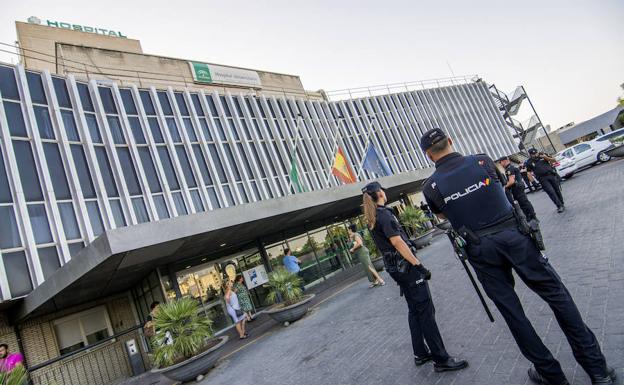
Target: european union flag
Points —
{"points": [[374, 163]]}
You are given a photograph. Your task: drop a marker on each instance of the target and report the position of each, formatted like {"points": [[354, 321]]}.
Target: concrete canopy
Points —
{"points": [[119, 258]]}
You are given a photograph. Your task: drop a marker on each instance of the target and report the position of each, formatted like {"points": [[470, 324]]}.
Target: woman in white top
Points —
{"points": [[234, 310]]}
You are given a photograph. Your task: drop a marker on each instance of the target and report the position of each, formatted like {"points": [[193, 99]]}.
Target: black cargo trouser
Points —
{"points": [[493, 260], [421, 317], [524, 203], [550, 184]]}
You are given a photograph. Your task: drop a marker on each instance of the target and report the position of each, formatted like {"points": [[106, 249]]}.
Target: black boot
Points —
{"points": [[538, 379], [450, 365], [608, 379], [422, 359]]}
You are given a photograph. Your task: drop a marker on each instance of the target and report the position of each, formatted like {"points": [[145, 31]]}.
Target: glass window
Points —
{"points": [[204, 126], [181, 104], [168, 168], [83, 329], [220, 130], [106, 172], [44, 124], [94, 217], [226, 108], [70, 125], [15, 119], [118, 215], [230, 156], [164, 103], [199, 206], [228, 195], [173, 130], [27, 171], [150, 170], [49, 261], [74, 248], [94, 129], [115, 128], [212, 194], [60, 89], [217, 162], [197, 104], [5, 192], [106, 94], [35, 86], [155, 129], [186, 166], [9, 232], [140, 210], [57, 172], [8, 85], [128, 101], [85, 97], [137, 130], [161, 207], [83, 171], [68, 218], [241, 151], [201, 161], [582, 148], [189, 129], [179, 203], [39, 223], [146, 100], [129, 172], [17, 273], [212, 106]]}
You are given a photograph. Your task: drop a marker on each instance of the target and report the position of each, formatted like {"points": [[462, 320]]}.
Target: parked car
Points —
{"points": [[565, 167], [589, 153], [614, 137]]}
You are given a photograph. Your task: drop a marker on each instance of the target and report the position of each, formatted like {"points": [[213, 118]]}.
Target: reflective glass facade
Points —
{"points": [[77, 158]]}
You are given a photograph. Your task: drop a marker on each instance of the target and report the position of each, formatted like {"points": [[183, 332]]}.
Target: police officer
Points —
{"points": [[515, 186], [466, 190], [540, 165], [410, 274]]}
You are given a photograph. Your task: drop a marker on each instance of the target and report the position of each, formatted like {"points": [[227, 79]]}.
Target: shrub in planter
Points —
{"points": [[415, 220], [181, 332], [284, 287], [17, 376]]}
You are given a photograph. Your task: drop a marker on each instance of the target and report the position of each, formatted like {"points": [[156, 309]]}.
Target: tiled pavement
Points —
{"points": [[360, 336]]}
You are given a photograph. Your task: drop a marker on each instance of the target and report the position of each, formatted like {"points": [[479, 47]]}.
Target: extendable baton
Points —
{"points": [[461, 254]]}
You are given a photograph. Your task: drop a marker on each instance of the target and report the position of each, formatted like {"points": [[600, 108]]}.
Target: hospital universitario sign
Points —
{"points": [[75, 27]]}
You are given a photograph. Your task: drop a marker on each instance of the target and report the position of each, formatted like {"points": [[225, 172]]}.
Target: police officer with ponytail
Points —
{"points": [[467, 191], [404, 267]]}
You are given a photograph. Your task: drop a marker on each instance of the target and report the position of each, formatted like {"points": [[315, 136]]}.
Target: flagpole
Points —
{"points": [[294, 153], [334, 148], [368, 135]]}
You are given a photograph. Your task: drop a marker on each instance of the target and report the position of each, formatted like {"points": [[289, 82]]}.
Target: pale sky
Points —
{"points": [[568, 54]]}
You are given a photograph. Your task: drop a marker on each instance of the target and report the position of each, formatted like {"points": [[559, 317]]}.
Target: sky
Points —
{"points": [[567, 54]]}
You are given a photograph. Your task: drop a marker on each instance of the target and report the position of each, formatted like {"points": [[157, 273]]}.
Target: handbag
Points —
{"points": [[239, 312]]}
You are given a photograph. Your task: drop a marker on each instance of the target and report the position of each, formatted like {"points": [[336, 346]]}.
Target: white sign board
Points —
{"points": [[214, 74], [255, 277]]}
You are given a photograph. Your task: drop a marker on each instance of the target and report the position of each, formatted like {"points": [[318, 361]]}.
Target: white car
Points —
{"points": [[589, 153], [565, 167]]}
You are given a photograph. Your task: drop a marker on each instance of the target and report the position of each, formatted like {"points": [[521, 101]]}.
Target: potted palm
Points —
{"points": [[184, 347], [17, 376], [285, 291], [414, 219]]}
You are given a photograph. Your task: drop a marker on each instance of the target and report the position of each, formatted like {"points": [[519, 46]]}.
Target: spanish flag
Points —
{"points": [[342, 169]]}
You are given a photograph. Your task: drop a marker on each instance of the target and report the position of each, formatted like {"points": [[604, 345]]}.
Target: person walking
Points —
{"points": [[361, 252], [468, 192], [515, 186], [540, 165], [244, 299], [411, 276], [234, 310]]}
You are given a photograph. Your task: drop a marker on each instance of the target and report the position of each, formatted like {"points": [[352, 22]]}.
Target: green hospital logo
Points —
{"points": [[201, 72]]}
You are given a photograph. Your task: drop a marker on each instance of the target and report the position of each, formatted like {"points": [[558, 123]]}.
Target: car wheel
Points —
{"points": [[603, 157], [570, 175]]}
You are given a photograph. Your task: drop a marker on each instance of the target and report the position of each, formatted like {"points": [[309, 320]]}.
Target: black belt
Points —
{"points": [[505, 225]]}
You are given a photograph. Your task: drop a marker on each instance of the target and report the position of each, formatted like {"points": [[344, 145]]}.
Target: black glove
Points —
{"points": [[423, 270]]}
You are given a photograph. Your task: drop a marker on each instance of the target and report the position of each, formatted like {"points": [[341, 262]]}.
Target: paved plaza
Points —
{"points": [[360, 335]]}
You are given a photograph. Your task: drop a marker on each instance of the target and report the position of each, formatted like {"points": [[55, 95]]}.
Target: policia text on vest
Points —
{"points": [[501, 248]]}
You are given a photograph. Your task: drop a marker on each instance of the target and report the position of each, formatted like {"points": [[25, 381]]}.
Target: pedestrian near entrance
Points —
{"points": [[467, 191], [244, 299], [409, 273], [361, 252], [515, 185], [540, 165], [234, 310], [293, 265]]}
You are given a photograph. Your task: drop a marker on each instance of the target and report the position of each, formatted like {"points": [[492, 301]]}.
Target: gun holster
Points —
{"points": [[469, 236]]}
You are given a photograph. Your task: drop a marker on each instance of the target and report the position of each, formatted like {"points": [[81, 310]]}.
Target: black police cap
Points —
{"points": [[372, 187], [532, 151], [502, 158], [431, 137]]}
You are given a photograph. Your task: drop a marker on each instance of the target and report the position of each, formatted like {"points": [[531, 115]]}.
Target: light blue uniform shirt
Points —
{"points": [[290, 263]]}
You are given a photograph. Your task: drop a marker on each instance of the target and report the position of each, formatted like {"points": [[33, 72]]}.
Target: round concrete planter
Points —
{"points": [[378, 264], [445, 225], [423, 240], [200, 364], [291, 313]]}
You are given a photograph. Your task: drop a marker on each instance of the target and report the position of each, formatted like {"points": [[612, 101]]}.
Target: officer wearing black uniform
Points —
{"points": [[467, 191], [403, 266], [515, 186], [539, 165]]}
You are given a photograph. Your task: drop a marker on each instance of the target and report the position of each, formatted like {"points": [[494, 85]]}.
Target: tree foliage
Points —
{"points": [[414, 219], [284, 286], [17, 376]]}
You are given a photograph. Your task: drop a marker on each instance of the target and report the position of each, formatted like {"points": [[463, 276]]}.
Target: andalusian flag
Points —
{"points": [[342, 169], [294, 174]]}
